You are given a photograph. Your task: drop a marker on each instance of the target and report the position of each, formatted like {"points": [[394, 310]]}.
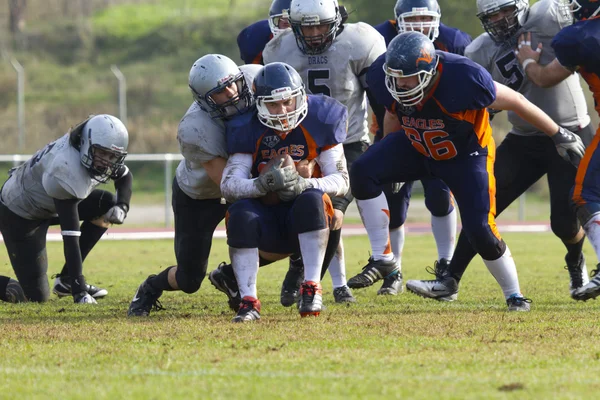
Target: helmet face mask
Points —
{"points": [[410, 54], [418, 15], [280, 83], [578, 9], [278, 15], [309, 14], [103, 146], [213, 74], [502, 28]]}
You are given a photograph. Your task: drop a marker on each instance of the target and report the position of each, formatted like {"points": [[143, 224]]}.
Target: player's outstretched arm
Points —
{"points": [[542, 75], [569, 146], [237, 184]]}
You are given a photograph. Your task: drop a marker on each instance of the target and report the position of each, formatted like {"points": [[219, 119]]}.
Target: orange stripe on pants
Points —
{"points": [[583, 169]]}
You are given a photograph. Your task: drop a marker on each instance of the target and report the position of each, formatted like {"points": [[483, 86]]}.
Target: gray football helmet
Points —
{"points": [[212, 74], [505, 28], [103, 142], [313, 13]]}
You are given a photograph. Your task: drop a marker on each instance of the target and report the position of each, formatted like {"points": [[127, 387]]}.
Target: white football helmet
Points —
{"points": [[418, 8], [279, 9], [315, 13], [505, 28], [212, 74], [103, 142]]}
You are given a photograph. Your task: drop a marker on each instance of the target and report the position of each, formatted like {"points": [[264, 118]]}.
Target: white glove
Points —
{"points": [[116, 215], [294, 191], [277, 179]]}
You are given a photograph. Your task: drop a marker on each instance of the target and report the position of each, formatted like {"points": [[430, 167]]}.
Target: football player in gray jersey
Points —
{"points": [[526, 154], [220, 90], [332, 58], [58, 186]]}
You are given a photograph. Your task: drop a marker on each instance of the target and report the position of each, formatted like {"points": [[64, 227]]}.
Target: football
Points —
{"points": [[271, 198]]}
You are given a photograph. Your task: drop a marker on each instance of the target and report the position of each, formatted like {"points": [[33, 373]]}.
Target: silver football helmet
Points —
{"points": [[503, 29], [313, 13], [212, 74], [103, 144], [278, 12]]}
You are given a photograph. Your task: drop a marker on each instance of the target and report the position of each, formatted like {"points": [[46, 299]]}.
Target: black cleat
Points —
{"points": [[223, 279], [518, 303], [392, 285], [591, 290], [291, 283], [578, 275], [14, 292], [343, 294], [145, 300], [249, 310], [373, 272], [440, 268], [311, 299], [62, 288]]}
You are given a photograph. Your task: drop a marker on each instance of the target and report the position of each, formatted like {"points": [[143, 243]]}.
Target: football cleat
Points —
{"points": [[291, 283], [223, 279], [311, 299], [517, 302], [145, 300], [578, 274], [392, 285], [249, 310], [445, 289], [374, 271], [343, 294], [14, 292], [591, 290], [62, 288], [84, 298], [440, 268]]}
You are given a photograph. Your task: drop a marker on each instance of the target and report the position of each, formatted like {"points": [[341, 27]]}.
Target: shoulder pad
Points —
{"points": [[481, 50]]}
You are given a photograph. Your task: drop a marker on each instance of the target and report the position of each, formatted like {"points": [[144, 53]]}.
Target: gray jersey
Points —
{"points": [[564, 103], [202, 139], [337, 71], [54, 172]]}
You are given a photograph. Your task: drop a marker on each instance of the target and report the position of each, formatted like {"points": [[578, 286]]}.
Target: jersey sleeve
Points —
{"points": [[200, 138], [58, 188], [332, 117], [369, 45], [252, 40], [376, 83], [568, 49]]}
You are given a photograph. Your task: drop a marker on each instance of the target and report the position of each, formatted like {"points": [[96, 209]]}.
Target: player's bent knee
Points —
{"points": [[439, 206], [311, 210], [243, 225], [363, 183], [564, 227], [101, 222]]}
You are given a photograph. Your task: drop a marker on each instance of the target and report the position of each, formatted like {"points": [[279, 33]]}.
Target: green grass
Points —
{"points": [[402, 347]]}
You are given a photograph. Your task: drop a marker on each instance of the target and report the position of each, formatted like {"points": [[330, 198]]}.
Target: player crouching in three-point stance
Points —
{"points": [[304, 128], [57, 185], [437, 112]]}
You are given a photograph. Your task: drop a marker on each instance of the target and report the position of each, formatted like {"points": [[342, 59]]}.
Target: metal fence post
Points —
{"points": [[20, 98], [122, 93]]}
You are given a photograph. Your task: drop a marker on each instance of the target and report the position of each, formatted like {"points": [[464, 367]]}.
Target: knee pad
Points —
{"points": [[243, 224], [37, 290], [312, 210], [190, 282], [363, 183], [486, 244], [564, 227]]}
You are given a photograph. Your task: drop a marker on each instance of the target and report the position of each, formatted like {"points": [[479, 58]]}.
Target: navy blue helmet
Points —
{"points": [[312, 13], [276, 82], [579, 9], [407, 11], [280, 9], [410, 54]]}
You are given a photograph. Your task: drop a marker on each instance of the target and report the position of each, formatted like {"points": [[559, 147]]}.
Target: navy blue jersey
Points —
{"points": [[325, 126], [578, 47], [454, 108], [450, 39], [252, 41]]}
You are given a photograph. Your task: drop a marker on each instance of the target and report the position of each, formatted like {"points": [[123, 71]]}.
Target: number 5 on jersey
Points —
{"points": [[431, 143]]}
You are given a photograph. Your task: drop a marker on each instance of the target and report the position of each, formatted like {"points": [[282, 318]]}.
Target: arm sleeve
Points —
{"points": [[335, 180], [123, 187], [68, 216], [236, 183]]}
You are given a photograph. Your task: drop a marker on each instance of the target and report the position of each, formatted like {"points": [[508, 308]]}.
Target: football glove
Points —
{"points": [[569, 146], [396, 186], [294, 191], [277, 179], [116, 215]]}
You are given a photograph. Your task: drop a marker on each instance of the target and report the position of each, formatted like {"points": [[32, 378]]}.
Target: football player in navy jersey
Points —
{"points": [[253, 39], [286, 121], [438, 126], [577, 49], [421, 16]]}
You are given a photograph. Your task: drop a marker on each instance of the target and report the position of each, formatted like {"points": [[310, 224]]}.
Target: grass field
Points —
{"points": [[402, 347]]}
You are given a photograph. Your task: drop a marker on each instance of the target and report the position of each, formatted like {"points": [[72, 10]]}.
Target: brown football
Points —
{"points": [[271, 198]]}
